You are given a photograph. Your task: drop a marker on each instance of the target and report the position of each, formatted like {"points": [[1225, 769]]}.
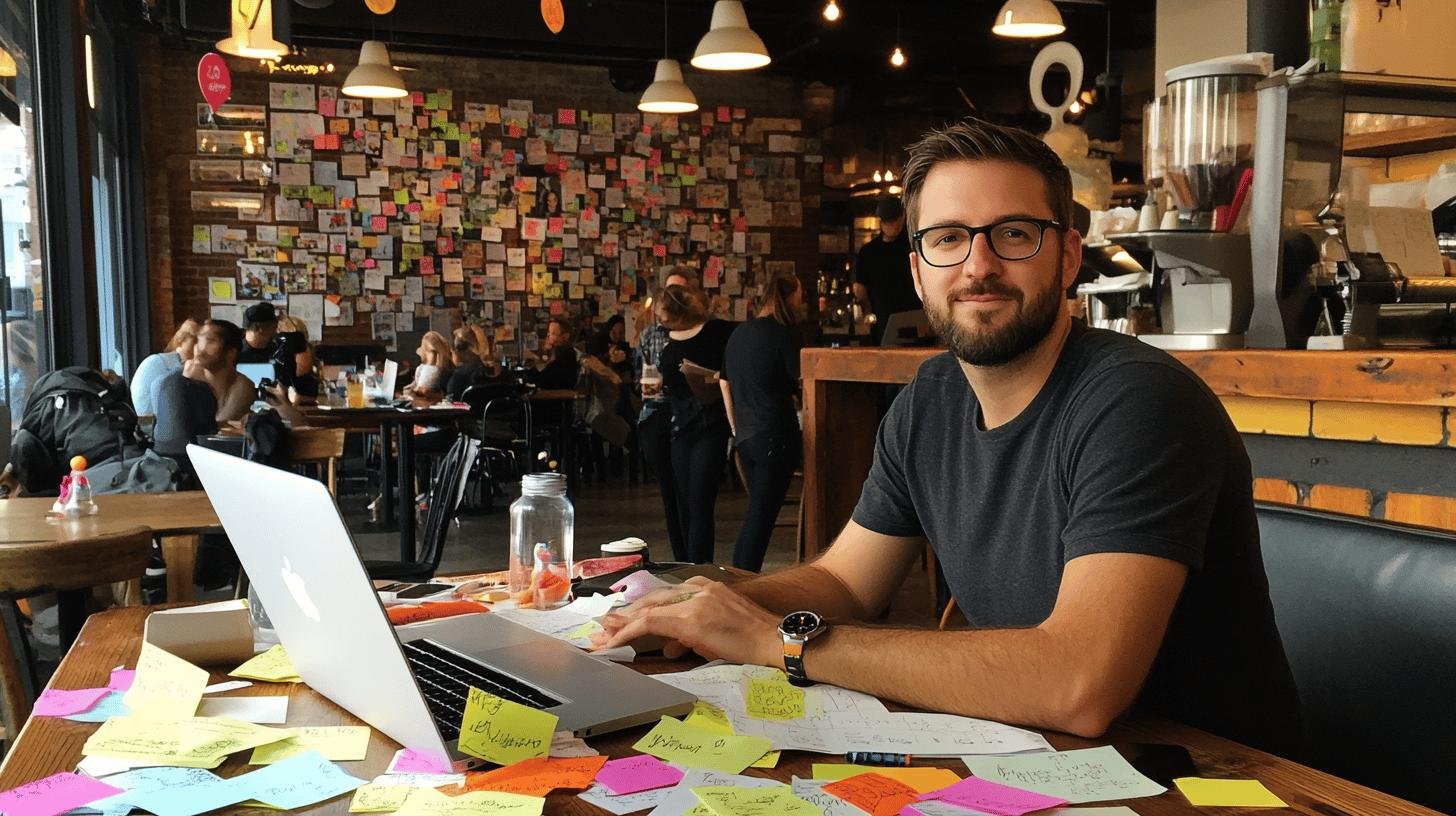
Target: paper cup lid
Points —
{"points": [[626, 545]]}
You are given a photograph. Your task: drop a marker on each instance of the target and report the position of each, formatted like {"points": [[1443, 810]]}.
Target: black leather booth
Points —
{"points": [[1367, 612]]}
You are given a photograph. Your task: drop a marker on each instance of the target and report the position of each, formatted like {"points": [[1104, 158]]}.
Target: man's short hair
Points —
{"points": [[687, 273], [567, 330], [975, 140], [232, 336], [259, 315]]}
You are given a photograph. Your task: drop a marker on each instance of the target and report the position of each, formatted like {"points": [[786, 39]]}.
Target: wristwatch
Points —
{"points": [[797, 629]]}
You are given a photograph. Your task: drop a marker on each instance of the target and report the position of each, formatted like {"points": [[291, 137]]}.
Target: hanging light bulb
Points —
{"points": [[667, 93], [879, 177], [730, 45], [1028, 19], [897, 58], [831, 11], [889, 175]]}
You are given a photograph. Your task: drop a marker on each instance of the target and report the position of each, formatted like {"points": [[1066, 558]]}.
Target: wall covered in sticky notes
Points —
{"points": [[508, 191]]}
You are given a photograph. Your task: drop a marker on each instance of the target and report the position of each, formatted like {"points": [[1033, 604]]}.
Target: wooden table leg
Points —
{"points": [[71, 609], [840, 421], [180, 553]]}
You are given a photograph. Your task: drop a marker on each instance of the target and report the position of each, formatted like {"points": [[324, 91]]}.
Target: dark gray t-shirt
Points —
{"points": [[1123, 450]]}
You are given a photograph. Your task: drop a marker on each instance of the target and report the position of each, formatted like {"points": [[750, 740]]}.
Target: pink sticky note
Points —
{"points": [[637, 773], [992, 797], [61, 702], [637, 584], [54, 794], [121, 679], [408, 760]]}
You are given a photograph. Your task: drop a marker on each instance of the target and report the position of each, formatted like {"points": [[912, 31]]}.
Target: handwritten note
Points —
{"points": [[165, 685], [61, 702], [637, 773], [297, 782], [923, 780], [165, 792], [712, 718], [1227, 793], [627, 803], [500, 731], [812, 791], [374, 798], [196, 742], [565, 745], [1086, 775], [773, 699], [337, 742], [675, 741], [986, 796], [874, 794], [681, 801], [54, 794], [272, 666], [408, 760], [539, 776], [110, 706], [430, 802], [736, 801]]}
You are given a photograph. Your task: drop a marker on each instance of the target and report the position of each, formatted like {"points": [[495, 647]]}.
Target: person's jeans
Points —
{"points": [[654, 434], [769, 460], [699, 453]]}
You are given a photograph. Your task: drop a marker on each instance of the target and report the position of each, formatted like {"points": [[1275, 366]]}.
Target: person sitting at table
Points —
{"points": [[556, 365], [293, 357], [1086, 494], [155, 366], [434, 369], [474, 363], [219, 343], [260, 338]]}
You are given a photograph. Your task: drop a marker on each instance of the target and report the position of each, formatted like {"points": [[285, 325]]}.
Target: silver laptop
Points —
{"points": [[410, 684], [391, 377]]}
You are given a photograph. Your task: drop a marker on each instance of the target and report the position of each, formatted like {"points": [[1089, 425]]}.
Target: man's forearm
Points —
{"points": [[807, 586]]}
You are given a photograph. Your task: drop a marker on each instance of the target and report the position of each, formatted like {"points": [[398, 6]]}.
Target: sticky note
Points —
{"points": [[1085, 775], [165, 686], [1227, 793], [60, 702], [121, 679], [336, 742], [374, 798], [272, 666], [430, 802], [709, 718], [194, 742], [296, 782], [923, 780], [736, 801], [500, 731], [974, 793], [54, 794], [768, 760], [408, 760], [109, 706], [538, 776], [874, 794], [166, 792], [264, 710], [637, 773], [674, 741], [773, 699]]}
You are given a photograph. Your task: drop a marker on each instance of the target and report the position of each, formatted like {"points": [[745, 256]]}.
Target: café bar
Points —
{"points": [[727, 408]]}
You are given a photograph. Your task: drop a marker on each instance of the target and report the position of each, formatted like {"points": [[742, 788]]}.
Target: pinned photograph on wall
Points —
{"points": [[333, 220], [222, 290], [338, 311], [259, 282], [201, 239], [290, 135], [229, 240], [383, 330], [297, 279], [292, 96]]}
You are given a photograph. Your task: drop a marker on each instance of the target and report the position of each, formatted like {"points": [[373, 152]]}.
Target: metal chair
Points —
{"points": [[504, 425], [445, 496]]}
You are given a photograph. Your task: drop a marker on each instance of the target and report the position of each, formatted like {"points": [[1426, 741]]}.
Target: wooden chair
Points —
{"points": [[69, 567], [316, 446]]}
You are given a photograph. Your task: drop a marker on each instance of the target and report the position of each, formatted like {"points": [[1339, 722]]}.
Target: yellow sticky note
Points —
{"points": [[193, 742], [1227, 793], [430, 802], [773, 699], [709, 718], [379, 798], [500, 731], [768, 760], [736, 801], [584, 630], [166, 686], [341, 743], [675, 741], [272, 666], [923, 780]]}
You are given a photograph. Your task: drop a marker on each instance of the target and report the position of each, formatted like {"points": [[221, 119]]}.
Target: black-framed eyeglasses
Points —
{"points": [[1011, 239]]}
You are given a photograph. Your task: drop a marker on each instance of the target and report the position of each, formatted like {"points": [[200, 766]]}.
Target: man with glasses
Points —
{"points": [[1087, 496]]}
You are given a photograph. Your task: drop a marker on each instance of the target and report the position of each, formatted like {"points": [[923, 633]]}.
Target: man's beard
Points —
{"points": [[988, 346]]}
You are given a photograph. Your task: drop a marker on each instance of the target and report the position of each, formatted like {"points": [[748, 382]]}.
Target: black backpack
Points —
{"points": [[72, 411]]}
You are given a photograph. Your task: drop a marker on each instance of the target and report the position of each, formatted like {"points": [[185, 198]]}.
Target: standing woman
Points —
{"points": [[699, 444], [760, 379]]}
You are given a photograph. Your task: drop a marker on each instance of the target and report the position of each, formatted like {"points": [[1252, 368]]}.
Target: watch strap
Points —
{"points": [[794, 661]]}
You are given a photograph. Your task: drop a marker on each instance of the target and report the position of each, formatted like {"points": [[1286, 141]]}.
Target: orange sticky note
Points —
{"points": [[874, 794], [539, 776]]}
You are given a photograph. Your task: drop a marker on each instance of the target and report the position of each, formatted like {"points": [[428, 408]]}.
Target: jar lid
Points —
{"points": [[536, 484]]}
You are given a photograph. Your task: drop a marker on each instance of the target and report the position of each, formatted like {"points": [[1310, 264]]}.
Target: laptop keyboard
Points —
{"points": [[445, 677]]}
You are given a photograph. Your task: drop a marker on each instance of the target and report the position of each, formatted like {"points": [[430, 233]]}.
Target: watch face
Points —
{"points": [[800, 623]]}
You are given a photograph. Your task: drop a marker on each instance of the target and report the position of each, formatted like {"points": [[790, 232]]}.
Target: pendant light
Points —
{"points": [[831, 11], [1028, 19], [667, 93], [897, 57], [730, 45], [374, 77], [252, 31]]}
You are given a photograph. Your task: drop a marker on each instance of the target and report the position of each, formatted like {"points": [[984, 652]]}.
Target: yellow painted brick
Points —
{"points": [[1282, 417], [1369, 422]]}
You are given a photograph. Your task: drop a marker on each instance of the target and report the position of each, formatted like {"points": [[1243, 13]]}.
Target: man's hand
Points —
{"points": [[702, 615], [616, 356]]}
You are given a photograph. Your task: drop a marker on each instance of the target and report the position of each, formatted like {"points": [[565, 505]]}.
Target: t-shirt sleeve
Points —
{"points": [[885, 505], [1147, 454]]}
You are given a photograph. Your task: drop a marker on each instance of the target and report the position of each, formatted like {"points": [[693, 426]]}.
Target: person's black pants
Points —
{"points": [[769, 460], [699, 453], [654, 435]]}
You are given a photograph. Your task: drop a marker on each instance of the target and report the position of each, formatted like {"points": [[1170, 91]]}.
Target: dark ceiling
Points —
{"points": [[949, 44]]}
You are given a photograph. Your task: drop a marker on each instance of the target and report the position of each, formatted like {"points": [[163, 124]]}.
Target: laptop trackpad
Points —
{"points": [[540, 661]]}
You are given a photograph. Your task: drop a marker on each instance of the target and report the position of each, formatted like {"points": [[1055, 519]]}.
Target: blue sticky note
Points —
{"points": [[295, 782], [166, 792], [108, 707]]}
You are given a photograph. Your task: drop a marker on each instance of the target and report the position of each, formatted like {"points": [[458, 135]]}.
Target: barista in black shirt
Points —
{"points": [[260, 333], [882, 269]]}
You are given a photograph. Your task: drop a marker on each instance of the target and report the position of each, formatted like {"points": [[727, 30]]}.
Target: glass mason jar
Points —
{"points": [[543, 524]]}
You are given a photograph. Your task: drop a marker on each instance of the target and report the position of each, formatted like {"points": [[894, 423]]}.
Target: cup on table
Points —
{"points": [[626, 546], [354, 391], [651, 381]]}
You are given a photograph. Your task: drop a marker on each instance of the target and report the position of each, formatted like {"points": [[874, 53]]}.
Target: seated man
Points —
{"points": [[1088, 497], [218, 345], [260, 338]]}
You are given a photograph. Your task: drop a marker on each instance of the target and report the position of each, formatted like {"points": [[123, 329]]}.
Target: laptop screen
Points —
{"points": [[257, 372]]}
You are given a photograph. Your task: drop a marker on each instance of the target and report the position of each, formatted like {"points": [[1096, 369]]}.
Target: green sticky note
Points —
{"points": [[773, 699], [401, 197], [500, 731], [736, 801], [709, 718], [1086, 775], [341, 743], [1227, 793], [379, 798], [675, 741], [583, 630]]}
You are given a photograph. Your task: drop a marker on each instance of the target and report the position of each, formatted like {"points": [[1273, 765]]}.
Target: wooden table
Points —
{"points": [[388, 420], [49, 745]]}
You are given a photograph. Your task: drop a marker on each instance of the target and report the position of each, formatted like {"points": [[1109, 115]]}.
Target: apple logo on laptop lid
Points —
{"points": [[299, 591]]}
